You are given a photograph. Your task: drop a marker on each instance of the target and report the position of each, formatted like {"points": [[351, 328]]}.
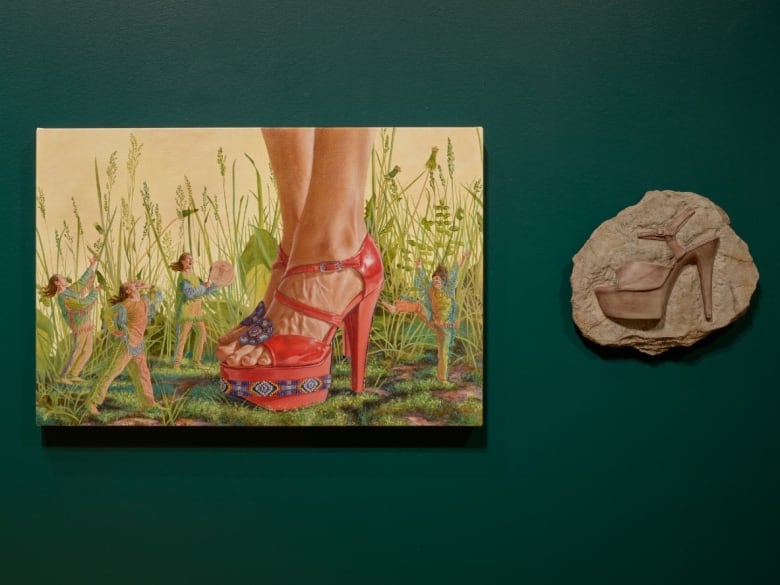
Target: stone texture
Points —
{"points": [[615, 242]]}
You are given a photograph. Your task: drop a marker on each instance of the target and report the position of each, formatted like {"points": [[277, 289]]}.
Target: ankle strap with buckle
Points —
{"points": [[668, 233], [327, 266]]}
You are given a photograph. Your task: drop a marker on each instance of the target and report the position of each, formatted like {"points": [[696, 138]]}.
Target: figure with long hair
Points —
{"points": [[75, 302], [328, 273], [190, 291], [132, 308], [437, 309]]}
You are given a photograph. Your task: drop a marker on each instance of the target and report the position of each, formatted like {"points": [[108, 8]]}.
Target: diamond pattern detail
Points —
{"points": [[265, 388], [310, 384]]}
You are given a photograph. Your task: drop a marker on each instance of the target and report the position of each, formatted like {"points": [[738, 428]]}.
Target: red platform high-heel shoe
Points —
{"points": [[642, 289], [299, 373], [256, 316]]}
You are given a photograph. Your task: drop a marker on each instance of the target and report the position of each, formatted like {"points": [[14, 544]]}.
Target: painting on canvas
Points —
{"points": [[259, 277]]}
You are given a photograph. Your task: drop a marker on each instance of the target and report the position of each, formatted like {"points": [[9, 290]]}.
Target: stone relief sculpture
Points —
{"points": [[630, 292]]}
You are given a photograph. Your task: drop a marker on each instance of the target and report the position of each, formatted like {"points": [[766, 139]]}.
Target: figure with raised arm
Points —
{"points": [[75, 302], [436, 308]]}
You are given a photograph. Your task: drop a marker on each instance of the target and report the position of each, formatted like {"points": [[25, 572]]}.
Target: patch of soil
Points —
{"points": [[457, 372], [193, 422], [463, 392], [184, 385], [137, 421], [406, 368], [421, 421], [404, 372]]}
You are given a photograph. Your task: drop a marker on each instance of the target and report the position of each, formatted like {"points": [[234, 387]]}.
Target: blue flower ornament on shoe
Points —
{"points": [[259, 328]]}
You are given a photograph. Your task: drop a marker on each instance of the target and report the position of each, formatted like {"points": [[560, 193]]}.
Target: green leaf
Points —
{"points": [[370, 208], [255, 264], [260, 249], [43, 326], [44, 340]]}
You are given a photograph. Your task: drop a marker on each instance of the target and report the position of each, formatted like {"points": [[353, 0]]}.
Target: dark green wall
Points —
{"points": [[595, 467]]}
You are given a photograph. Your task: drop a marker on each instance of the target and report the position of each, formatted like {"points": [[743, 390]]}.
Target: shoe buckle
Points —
{"points": [[331, 266]]}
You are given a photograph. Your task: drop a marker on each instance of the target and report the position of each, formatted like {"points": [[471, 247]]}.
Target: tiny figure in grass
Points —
{"points": [[437, 309], [76, 301], [190, 291], [131, 310]]}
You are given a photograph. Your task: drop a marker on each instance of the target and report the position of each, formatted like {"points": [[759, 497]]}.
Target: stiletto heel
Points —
{"points": [[642, 289], [705, 262], [357, 326], [299, 373]]}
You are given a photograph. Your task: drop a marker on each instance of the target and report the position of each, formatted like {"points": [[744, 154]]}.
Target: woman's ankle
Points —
{"points": [[335, 245]]}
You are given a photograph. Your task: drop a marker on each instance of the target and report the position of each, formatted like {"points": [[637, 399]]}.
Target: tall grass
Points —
{"points": [[427, 216], [431, 218]]}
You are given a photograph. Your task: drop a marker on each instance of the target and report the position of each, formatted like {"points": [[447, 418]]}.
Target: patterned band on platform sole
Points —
{"points": [[278, 395], [275, 389]]}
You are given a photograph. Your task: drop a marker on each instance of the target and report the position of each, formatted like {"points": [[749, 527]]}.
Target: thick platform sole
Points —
{"points": [[277, 388]]}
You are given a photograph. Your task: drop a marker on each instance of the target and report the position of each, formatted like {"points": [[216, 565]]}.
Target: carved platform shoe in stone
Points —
{"points": [[642, 289]]}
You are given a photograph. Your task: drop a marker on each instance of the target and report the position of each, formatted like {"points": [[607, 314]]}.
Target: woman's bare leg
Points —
{"points": [[331, 227], [332, 224], [291, 151]]}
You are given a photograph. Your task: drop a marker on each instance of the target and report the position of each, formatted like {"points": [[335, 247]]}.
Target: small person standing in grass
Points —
{"points": [[76, 307], [190, 291], [437, 310], [132, 309]]}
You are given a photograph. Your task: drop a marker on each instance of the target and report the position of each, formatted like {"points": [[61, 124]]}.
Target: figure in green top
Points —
{"points": [[75, 302], [437, 309], [190, 291]]}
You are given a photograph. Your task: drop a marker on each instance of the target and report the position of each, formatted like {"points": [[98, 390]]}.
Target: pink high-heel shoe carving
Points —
{"points": [[642, 289]]}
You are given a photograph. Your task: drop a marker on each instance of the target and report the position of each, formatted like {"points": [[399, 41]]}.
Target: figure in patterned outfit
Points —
{"points": [[190, 291], [132, 309], [76, 302], [437, 309]]}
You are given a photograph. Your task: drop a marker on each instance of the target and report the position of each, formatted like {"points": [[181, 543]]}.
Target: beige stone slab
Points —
{"points": [[615, 243]]}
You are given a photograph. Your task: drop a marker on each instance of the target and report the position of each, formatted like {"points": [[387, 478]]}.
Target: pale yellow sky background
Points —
{"points": [[65, 160]]}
